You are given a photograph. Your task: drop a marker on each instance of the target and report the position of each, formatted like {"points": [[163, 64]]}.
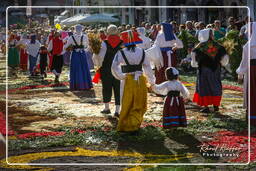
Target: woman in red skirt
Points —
{"points": [[174, 114], [168, 43], [23, 53]]}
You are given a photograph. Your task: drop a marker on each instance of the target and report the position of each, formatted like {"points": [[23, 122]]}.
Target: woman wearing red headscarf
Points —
{"points": [[23, 54]]}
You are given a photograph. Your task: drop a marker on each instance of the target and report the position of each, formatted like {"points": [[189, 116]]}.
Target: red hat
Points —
{"points": [[130, 38]]}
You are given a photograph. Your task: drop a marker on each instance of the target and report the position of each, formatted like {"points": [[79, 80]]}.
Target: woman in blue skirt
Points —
{"points": [[80, 77]]}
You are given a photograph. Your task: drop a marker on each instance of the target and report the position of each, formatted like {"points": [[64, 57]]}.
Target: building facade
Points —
{"points": [[153, 15]]}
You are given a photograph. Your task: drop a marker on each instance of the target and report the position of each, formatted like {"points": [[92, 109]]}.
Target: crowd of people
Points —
{"points": [[130, 60]]}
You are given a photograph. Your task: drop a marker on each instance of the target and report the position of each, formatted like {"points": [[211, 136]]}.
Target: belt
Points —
{"points": [[165, 49], [253, 61]]}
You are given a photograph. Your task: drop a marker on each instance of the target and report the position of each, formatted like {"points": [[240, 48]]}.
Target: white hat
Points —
{"points": [[112, 30], [204, 35], [79, 28]]}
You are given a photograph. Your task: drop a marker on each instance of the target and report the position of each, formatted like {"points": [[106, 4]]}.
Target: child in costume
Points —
{"points": [[43, 61], [174, 114], [32, 50]]}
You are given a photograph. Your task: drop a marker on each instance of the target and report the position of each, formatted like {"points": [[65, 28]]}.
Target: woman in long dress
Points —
{"points": [[168, 42], [13, 53], [23, 53], [242, 71], [80, 77], [208, 56]]}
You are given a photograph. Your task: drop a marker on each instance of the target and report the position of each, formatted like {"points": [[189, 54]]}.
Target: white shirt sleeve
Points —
{"points": [[161, 88], [178, 43], [243, 68], [69, 42], [184, 91], [85, 40], [194, 63], [98, 58], [49, 48], [225, 60], [116, 67], [148, 70]]}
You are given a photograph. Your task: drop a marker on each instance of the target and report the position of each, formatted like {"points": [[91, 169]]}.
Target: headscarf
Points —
{"points": [[204, 35], [168, 31], [79, 28], [33, 39], [141, 31], [112, 30]]}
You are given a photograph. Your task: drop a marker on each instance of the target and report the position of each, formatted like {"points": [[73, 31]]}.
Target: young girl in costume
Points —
{"points": [[43, 61], [174, 114]]}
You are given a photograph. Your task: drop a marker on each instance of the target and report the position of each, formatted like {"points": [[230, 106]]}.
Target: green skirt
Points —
{"points": [[13, 57]]}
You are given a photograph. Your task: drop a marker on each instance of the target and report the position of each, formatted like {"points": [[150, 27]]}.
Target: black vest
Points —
{"points": [[109, 56], [132, 68], [81, 46]]}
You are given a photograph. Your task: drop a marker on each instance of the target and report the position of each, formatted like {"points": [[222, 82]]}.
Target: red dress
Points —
{"points": [[174, 114], [23, 59]]}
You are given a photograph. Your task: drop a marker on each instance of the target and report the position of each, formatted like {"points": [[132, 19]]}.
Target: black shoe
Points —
{"points": [[205, 110], [105, 111], [116, 114], [134, 133], [216, 108], [56, 79], [45, 75]]}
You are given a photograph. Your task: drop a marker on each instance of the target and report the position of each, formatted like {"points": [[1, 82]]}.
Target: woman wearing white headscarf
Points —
{"points": [[249, 53], [146, 42], [80, 77], [208, 56]]}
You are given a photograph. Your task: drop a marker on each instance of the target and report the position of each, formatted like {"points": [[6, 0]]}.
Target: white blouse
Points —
{"points": [[146, 42], [161, 42], [134, 58], [243, 68], [98, 58], [173, 85], [33, 49], [77, 37], [224, 61]]}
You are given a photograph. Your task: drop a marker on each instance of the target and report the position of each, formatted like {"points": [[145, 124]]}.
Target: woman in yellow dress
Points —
{"points": [[129, 65]]}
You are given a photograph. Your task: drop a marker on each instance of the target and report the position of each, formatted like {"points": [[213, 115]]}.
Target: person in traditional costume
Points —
{"points": [[146, 42], [249, 54], [129, 65], [67, 53], [104, 60], [43, 61], [208, 56], [2, 146], [168, 42], [49, 38], [103, 36], [23, 53], [80, 76], [174, 114], [13, 53], [56, 47], [32, 50]]}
